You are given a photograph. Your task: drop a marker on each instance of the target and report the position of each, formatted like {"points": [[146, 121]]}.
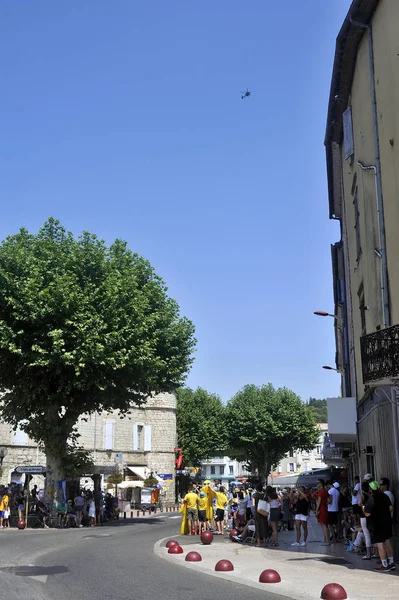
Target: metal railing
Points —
{"points": [[380, 354]]}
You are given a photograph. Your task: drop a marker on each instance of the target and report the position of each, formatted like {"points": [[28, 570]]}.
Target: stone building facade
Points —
{"points": [[300, 461], [140, 443]]}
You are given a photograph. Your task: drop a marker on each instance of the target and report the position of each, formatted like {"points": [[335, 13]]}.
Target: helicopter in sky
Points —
{"points": [[246, 94]]}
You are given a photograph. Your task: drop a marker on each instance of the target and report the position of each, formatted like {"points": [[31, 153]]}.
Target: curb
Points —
{"points": [[246, 573], [232, 576]]}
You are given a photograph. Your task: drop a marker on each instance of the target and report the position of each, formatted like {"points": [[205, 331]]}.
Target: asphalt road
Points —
{"points": [[112, 562]]}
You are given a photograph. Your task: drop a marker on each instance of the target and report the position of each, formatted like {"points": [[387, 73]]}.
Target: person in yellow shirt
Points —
{"points": [[202, 506], [191, 502], [4, 502], [221, 502]]}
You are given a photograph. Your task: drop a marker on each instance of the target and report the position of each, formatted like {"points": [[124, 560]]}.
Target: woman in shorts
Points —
{"points": [[202, 504], [302, 507], [275, 512]]}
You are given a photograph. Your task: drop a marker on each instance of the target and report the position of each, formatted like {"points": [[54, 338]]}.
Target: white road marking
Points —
{"points": [[40, 578]]}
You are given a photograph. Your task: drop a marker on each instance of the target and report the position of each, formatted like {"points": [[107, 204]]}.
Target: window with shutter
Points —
{"points": [[135, 438], [138, 437], [349, 146], [109, 435], [20, 438]]}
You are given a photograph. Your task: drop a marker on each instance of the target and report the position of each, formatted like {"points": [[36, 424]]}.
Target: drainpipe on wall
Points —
{"points": [[380, 205], [384, 291]]}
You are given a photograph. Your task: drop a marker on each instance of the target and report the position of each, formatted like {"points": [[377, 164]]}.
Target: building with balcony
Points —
{"points": [[362, 147], [224, 470]]}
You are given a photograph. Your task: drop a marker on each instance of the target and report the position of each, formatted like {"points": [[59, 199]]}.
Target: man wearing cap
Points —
{"points": [[368, 477], [333, 509], [379, 520]]}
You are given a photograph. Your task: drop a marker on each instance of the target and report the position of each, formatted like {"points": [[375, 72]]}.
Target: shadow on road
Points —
{"points": [[125, 522], [25, 571]]}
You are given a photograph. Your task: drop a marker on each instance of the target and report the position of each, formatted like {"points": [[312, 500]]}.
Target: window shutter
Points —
{"points": [[109, 435], [348, 133], [147, 438], [135, 437]]}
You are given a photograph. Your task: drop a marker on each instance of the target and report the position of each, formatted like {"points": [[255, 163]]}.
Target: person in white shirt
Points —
{"points": [[356, 494], [385, 485], [333, 509]]}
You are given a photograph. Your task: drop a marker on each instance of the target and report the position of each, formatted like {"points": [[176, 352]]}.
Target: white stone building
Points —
{"points": [[223, 469], [299, 462], [142, 442]]}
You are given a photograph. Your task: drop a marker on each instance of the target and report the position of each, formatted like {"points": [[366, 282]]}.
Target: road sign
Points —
{"points": [[118, 457], [31, 470], [165, 476]]}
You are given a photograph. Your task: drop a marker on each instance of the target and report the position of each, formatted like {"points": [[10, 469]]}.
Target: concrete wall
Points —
{"points": [[365, 269]]}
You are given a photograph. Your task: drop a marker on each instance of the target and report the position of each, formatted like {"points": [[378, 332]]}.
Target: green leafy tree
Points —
{"points": [[264, 423], [201, 429], [83, 328], [151, 481], [319, 410]]}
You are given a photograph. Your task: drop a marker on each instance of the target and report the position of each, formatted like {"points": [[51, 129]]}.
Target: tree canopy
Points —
{"points": [[264, 423], [83, 328], [318, 409], [201, 429]]}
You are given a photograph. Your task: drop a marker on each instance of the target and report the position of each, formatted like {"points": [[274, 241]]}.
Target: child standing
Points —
{"points": [[6, 519], [92, 513]]}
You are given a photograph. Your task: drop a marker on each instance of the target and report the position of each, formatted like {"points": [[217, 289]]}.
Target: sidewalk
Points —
{"points": [[304, 571]]}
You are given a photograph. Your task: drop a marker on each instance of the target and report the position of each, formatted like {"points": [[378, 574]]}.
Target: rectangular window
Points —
{"points": [[362, 308], [347, 123], [212, 469], [291, 467], [138, 437], [109, 435], [221, 469], [231, 469], [20, 438], [370, 464], [357, 225]]}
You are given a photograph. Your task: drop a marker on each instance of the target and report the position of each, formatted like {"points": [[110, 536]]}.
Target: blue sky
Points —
{"points": [[125, 118]]}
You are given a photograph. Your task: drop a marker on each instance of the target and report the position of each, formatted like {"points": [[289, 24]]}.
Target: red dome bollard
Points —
{"points": [[224, 565], [175, 549], [193, 557], [333, 591], [172, 543], [269, 576], [21, 525], [206, 538], [233, 532]]}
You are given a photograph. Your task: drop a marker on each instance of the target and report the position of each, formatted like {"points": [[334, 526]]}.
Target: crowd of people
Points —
{"points": [[360, 517], [86, 508]]}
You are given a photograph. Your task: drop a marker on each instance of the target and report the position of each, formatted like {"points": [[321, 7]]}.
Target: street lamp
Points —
{"points": [[331, 369], [322, 313]]}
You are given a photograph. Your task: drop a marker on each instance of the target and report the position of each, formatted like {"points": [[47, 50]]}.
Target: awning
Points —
{"points": [[138, 471], [130, 484]]}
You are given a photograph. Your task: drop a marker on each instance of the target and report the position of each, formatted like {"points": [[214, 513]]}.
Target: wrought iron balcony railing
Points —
{"points": [[380, 354], [331, 452]]}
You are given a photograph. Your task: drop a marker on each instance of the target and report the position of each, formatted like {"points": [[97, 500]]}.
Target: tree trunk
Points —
{"points": [[54, 476]]}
